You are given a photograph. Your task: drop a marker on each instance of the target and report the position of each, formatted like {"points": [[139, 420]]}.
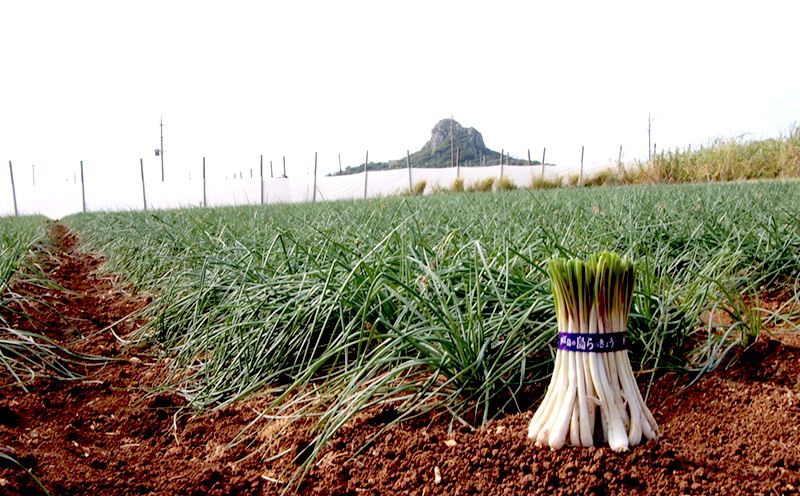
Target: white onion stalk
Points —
{"points": [[592, 297]]}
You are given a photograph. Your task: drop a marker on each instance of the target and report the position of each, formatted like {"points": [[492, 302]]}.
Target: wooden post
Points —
{"points": [[13, 189], [366, 164], [270, 169], [314, 191], [83, 188], [529, 157], [261, 175], [144, 194], [452, 141], [544, 151], [162, 149], [340, 163], [205, 198], [580, 178], [408, 163], [458, 162], [619, 160], [284, 166], [649, 127], [502, 154]]}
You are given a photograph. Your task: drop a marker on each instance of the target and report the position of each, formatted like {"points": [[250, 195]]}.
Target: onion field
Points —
{"points": [[18, 235], [441, 302], [18, 238]]}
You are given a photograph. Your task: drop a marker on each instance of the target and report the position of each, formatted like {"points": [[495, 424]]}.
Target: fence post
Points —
{"points": [[284, 166], [162, 149], [144, 194], [408, 163], [458, 162], [83, 189], [452, 140], [13, 189], [529, 157], [502, 155], [314, 191], [366, 164], [544, 151], [205, 199], [270, 169], [580, 178], [261, 176], [649, 128]]}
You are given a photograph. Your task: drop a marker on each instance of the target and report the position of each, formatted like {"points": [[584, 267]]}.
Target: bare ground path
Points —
{"points": [[735, 431]]}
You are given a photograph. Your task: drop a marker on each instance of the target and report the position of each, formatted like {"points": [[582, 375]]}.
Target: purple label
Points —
{"points": [[592, 343]]}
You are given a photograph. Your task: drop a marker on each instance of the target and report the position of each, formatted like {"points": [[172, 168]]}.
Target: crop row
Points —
{"points": [[440, 300], [26, 354], [18, 238]]}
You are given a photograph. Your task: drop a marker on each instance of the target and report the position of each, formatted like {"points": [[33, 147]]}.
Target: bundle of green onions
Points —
{"points": [[592, 370]]}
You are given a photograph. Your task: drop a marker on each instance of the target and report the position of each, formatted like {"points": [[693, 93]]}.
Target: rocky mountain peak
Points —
{"points": [[467, 144], [469, 139]]}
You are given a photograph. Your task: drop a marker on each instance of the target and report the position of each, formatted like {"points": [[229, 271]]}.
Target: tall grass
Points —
{"points": [[441, 300], [729, 159]]}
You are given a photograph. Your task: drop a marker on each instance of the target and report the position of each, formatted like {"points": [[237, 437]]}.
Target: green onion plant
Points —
{"points": [[438, 301]]}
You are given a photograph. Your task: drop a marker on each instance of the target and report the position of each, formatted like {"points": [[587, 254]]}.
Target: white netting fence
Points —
{"points": [[60, 198]]}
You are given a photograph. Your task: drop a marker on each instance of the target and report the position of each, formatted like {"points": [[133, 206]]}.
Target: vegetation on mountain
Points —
{"points": [[466, 147]]}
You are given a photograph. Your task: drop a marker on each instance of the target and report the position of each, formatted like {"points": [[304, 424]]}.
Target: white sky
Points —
{"points": [[234, 80]]}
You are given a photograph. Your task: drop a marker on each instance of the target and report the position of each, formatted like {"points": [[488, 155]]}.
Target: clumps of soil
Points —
{"points": [[734, 431]]}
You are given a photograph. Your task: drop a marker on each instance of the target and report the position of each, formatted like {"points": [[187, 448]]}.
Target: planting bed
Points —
{"points": [[734, 431]]}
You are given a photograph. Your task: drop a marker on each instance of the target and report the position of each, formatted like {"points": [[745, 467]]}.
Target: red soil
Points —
{"points": [[735, 431]]}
